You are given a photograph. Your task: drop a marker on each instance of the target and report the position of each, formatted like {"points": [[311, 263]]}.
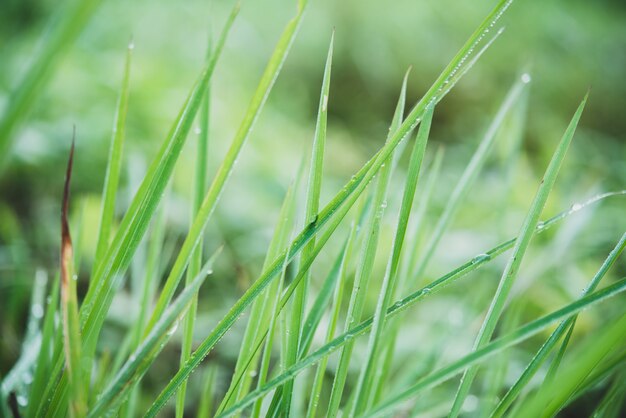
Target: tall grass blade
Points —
{"points": [[365, 262], [366, 379], [512, 268], [72, 21], [69, 306], [556, 336], [199, 189], [114, 163], [312, 207]]}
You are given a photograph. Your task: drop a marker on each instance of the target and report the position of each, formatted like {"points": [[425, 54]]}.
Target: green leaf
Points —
{"points": [[512, 268]]}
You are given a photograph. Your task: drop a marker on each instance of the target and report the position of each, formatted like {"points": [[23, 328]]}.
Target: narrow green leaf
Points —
{"points": [[114, 164], [363, 397], [366, 262], [312, 207], [205, 409], [510, 272], [69, 306], [555, 337]]}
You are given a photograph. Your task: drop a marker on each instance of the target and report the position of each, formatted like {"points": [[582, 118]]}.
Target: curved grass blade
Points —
{"points": [[312, 207], [200, 180], [147, 352], [447, 372], [366, 379], [365, 262], [114, 163], [64, 32], [69, 305], [457, 67], [548, 404], [512, 268], [555, 337]]}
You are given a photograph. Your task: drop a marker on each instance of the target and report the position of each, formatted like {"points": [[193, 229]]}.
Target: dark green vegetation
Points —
{"points": [[299, 230]]}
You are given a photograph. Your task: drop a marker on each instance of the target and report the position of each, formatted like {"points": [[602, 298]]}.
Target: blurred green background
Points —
{"points": [[568, 47]]}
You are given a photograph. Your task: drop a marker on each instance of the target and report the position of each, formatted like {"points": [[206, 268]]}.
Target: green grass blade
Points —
{"points": [[199, 189], [151, 346], [549, 403], [510, 272], [469, 176], [366, 380], [114, 163], [72, 21], [44, 359], [365, 262], [223, 172], [447, 372], [69, 306], [612, 402], [458, 65], [555, 337], [312, 207], [205, 409]]}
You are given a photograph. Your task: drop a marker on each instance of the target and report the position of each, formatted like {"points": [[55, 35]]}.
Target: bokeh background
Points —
{"points": [[567, 47]]}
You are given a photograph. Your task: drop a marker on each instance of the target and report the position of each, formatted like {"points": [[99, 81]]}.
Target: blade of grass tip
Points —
{"points": [[70, 22], [114, 163], [200, 180], [146, 353], [598, 346], [458, 66], [388, 348], [443, 281], [512, 268], [469, 175], [223, 172], [365, 262], [44, 358], [318, 380], [366, 379], [261, 312], [445, 373], [563, 328], [312, 207], [69, 305], [205, 409]]}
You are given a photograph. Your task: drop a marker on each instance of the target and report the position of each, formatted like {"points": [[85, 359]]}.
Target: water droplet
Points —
{"points": [[426, 290], [21, 400], [324, 103], [172, 330], [197, 130], [209, 272], [75, 277], [526, 78], [252, 373], [131, 45], [28, 378], [576, 207], [37, 311], [384, 204], [480, 258], [541, 225]]}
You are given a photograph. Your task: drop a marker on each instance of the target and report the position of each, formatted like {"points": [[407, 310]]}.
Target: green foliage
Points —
{"points": [[278, 329]]}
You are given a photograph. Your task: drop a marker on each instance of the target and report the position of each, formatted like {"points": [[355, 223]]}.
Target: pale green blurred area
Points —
{"points": [[566, 46]]}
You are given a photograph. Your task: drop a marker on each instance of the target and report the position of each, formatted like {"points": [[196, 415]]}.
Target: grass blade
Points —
{"points": [[114, 163], [69, 306], [365, 263], [312, 207], [510, 272], [556, 336], [366, 379]]}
